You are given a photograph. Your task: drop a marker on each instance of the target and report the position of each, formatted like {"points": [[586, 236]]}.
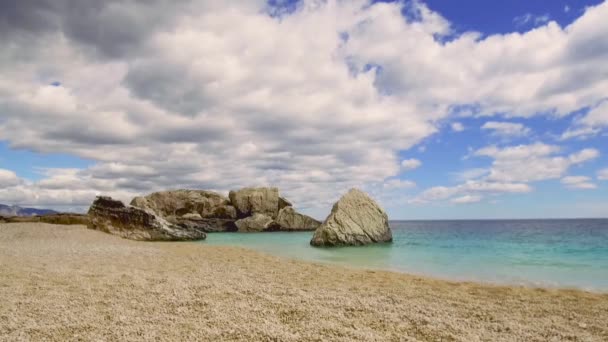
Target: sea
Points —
{"points": [[570, 253]]}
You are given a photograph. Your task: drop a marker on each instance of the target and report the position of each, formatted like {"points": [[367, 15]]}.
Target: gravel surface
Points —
{"points": [[65, 283]]}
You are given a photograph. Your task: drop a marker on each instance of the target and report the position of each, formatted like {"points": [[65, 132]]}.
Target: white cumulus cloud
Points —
{"points": [[8, 178], [533, 162], [506, 129], [471, 188], [398, 184], [218, 95], [511, 171], [469, 174], [466, 199], [578, 182], [457, 127], [602, 174], [410, 164], [590, 124]]}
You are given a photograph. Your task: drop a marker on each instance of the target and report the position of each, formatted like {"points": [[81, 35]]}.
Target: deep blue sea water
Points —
{"points": [[552, 253]]}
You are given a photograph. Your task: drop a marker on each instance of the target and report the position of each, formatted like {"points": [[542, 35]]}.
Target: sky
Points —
{"points": [[438, 109]]}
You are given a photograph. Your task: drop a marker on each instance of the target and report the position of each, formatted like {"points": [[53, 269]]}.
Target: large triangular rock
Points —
{"points": [[355, 220], [112, 216]]}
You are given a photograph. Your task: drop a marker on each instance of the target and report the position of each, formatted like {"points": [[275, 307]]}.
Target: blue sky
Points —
{"points": [[28, 164], [446, 151], [445, 155], [439, 109], [491, 17]]}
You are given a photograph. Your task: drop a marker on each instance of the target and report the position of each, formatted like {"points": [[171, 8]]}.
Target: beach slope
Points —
{"points": [[69, 283]]}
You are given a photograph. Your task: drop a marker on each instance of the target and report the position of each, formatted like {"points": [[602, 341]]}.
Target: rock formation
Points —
{"points": [[134, 223], [206, 210], [191, 211], [207, 204], [283, 202], [257, 223], [291, 220], [354, 220], [249, 201], [209, 225]]}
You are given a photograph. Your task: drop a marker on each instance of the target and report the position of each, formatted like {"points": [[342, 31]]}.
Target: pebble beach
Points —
{"points": [[63, 283]]}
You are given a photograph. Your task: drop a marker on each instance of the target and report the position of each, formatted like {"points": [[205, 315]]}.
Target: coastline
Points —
{"points": [[68, 282], [410, 273], [542, 254]]}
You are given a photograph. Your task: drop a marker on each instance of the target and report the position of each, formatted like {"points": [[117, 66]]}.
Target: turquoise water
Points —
{"points": [[554, 253]]}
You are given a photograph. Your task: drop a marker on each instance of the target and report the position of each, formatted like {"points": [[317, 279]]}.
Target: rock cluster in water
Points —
{"points": [[355, 220], [189, 214]]}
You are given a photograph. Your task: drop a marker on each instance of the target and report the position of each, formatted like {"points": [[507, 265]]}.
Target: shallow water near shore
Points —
{"points": [[548, 253]]}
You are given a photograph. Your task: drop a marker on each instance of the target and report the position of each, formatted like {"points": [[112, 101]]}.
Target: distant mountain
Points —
{"points": [[13, 210]]}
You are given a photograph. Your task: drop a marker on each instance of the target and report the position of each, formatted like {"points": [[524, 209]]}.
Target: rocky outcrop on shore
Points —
{"points": [[249, 201], [262, 209], [257, 223], [200, 209], [193, 211], [244, 210], [112, 216], [181, 203], [355, 220], [289, 219]]}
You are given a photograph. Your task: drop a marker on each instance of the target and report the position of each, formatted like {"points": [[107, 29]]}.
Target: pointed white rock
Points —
{"points": [[355, 220]]}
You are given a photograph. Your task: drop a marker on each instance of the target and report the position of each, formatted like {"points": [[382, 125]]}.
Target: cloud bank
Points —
{"points": [[314, 98]]}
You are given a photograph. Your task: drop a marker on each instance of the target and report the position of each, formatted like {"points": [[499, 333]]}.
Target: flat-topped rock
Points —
{"points": [[355, 220], [112, 216], [207, 204], [206, 209], [249, 201], [291, 220]]}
